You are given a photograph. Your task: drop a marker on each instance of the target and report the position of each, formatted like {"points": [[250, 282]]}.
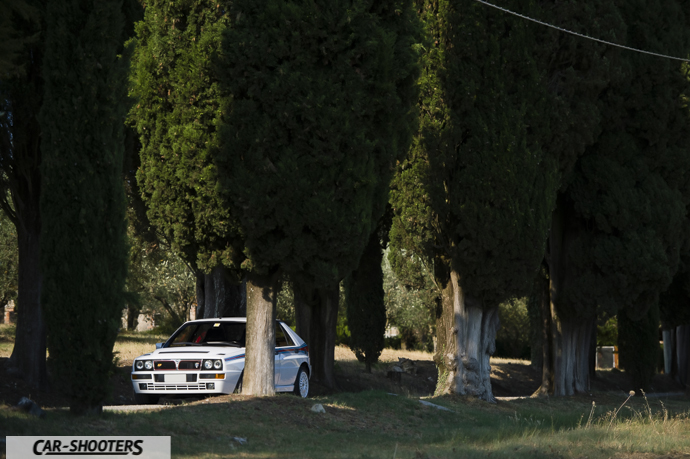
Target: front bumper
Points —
{"points": [[180, 382]]}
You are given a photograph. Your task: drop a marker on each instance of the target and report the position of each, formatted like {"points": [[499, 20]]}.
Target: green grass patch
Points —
{"points": [[7, 332], [375, 424]]}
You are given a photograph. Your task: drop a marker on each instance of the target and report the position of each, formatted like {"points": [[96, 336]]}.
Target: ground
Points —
{"points": [[510, 378]]}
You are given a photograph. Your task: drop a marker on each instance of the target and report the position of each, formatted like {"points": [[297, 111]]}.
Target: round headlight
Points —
{"points": [[208, 364], [217, 364], [139, 365], [148, 364]]}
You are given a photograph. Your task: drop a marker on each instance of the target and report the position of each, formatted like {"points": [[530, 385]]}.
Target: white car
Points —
{"points": [[206, 357]]}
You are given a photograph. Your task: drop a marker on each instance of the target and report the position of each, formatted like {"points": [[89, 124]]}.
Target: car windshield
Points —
{"points": [[209, 334]]}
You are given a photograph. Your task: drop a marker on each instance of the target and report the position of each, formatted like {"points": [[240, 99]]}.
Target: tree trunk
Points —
{"points": [[566, 363], [668, 335], [218, 296], [547, 368], [259, 367], [683, 354], [132, 317], [570, 354], [316, 316], [28, 357], [467, 339]]}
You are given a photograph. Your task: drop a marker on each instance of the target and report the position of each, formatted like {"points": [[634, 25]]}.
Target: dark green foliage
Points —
{"points": [[366, 312], [8, 260], [476, 191], [178, 108], [513, 338], [638, 346], [674, 303], [630, 189], [13, 38], [411, 308], [83, 252], [607, 331], [321, 106]]}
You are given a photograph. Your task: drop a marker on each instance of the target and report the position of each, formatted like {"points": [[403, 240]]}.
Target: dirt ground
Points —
{"points": [[509, 378]]}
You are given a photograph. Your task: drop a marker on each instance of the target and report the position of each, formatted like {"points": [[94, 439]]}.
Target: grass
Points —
{"points": [[6, 339], [375, 424]]}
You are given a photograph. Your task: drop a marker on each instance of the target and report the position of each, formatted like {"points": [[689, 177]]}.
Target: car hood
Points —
{"points": [[195, 352]]}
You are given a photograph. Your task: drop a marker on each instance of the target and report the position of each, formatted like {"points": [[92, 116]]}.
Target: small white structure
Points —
{"points": [[9, 316], [607, 357]]}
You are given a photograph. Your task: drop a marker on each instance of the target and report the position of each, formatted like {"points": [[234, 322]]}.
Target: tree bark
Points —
{"points": [[259, 367], [467, 341], [683, 355], [547, 369], [218, 296], [570, 354], [316, 317], [28, 357], [565, 368], [20, 160]]}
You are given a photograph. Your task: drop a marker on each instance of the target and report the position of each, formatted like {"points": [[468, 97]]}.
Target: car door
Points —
{"points": [[289, 362], [280, 349]]}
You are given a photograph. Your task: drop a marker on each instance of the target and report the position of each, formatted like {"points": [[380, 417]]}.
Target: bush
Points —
{"points": [[513, 338]]}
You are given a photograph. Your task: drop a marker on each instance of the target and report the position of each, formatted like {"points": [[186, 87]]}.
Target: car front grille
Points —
{"points": [[181, 365], [176, 387]]}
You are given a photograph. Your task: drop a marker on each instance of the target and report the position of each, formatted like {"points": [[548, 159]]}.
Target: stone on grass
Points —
{"points": [[28, 405], [318, 408]]}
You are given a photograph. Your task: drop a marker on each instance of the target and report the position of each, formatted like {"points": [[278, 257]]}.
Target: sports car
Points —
{"points": [[206, 357]]}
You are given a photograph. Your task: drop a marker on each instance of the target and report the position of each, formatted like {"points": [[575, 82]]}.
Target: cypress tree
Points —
{"points": [[364, 296], [21, 97], [616, 234], [83, 252], [638, 347], [177, 111], [475, 194], [320, 106]]}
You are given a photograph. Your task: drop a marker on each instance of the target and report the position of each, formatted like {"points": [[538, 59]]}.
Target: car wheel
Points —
{"points": [[302, 383], [238, 387], [146, 399]]}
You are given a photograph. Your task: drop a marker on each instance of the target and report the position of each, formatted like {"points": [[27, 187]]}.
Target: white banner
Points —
{"points": [[88, 447]]}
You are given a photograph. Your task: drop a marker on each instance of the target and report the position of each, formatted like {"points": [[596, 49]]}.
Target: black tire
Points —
{"points": [[302, 383], [238, 387], [146, 399]]}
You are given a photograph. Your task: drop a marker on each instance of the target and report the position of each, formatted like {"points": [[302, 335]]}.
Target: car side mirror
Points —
{"points": [[159, 345]]}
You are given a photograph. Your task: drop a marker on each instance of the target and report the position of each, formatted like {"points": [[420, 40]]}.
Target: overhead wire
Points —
{"points": [[522, 16]]}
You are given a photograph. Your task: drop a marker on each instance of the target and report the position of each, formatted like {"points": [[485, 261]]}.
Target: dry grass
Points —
{"points": [[131, 345], [344, 354]]}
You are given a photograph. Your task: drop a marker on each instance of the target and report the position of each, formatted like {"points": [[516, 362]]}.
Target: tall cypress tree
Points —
{"points": [[83, 253], [21, 97], [617, 231], [177, 111], [475, 194], [321, 106], [364, 297]]}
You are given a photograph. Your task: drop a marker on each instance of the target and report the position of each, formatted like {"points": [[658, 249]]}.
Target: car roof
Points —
{"points": [[223, 319]]}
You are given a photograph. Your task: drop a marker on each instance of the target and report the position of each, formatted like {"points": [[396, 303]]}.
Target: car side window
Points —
{"points": [[282, 339]]}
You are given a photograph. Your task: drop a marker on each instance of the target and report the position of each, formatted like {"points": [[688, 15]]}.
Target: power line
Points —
{"points": [[579, 34]]}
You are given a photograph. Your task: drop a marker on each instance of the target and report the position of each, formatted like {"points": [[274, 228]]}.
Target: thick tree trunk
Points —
{"points": [[683, 355], [28, 357], [567, 360], [218, 296], [467, 340], [570, 354], [259, 367], [316, 316]]}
